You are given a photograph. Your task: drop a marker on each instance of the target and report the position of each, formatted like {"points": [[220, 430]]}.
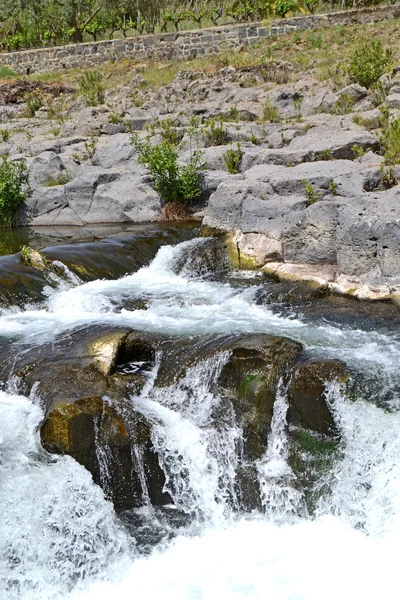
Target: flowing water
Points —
{"points": [[59, 537]]}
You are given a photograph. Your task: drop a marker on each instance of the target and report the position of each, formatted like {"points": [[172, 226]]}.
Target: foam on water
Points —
{"points": [[56, 529], [59, 538], [178, 303], [349, 551]]}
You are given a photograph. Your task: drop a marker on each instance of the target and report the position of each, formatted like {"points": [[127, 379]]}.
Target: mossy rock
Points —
{"points": [[312, 457], [33, 258], [307, 403], [250, 378]]}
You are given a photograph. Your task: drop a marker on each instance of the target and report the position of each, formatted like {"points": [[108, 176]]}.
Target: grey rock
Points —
{"points": [[309, 236], [97, 196], [338, 142], [393, 99], [113, 151], [46, 166], [224, 209]]}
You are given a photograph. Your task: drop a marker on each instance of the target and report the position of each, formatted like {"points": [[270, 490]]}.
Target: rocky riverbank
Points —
{"points": [[310, 200]]}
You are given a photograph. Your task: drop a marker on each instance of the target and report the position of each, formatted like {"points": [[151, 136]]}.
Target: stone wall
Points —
{"points": [[184, 44]]}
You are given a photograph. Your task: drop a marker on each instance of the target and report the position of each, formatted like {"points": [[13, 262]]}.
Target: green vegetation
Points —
{"points": [[34, 101], [325, 154], [60, 180], [233, 159], [5, 135], [368, 61], [312, 195], [91, 88], [174, 182], [332, 187], [167, 129], [390, 142], [343, 105], [358, 151], [41, 23], [14, 189], [214, 133], [7, 73], [270, 112]]}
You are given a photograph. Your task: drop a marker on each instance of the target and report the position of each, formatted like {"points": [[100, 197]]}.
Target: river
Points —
{"points": [[59, 537]]}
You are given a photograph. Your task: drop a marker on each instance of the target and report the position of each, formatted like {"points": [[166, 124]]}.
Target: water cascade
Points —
{"points": [[326, 520]]}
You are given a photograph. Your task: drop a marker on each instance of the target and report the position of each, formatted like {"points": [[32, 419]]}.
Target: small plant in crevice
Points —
{"points": [[62, 179], [380, 92], [90, 147], [343, 105], [91, 87], [233, 159], [115, 119], [214, 133], [325, 154], [388, 176], [34, 101], [167, 129], [311, 194], [297, 104], [5, 135], [389, 141], [358, 151], [270, 112], [14, 189], [332, 187]]}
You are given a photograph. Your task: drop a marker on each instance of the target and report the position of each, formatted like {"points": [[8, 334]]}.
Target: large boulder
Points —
{"points": [[258, 364], [96, 196], [85, 389], [46, 168], [118, 454]]}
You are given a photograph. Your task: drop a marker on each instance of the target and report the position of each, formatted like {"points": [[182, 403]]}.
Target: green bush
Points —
{"points": [[282, 7], [368, 61], [270, 112], [233, 159], [215, 134], [34, 101], [390, 142], [91, 88], [174, 182], [14, 189]]}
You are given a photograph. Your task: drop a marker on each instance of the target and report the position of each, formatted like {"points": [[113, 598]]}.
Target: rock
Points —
{"points": [[123, 200], [393, 100], [33, 258], [96, 196], [224, 209], [95, 435], [337, 142], [354, 91], [251, 378], [114, 151], [44, 168], [309, 236], [307, 403]]}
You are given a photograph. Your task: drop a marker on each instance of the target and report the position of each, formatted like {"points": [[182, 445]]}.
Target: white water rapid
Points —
{"points": [[59, 537]]}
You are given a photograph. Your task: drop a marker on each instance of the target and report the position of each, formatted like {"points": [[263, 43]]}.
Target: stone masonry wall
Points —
{"points": [[183, 44]]}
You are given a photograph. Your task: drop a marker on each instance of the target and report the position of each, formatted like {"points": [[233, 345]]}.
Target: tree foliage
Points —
{"points": [[36, 23]]}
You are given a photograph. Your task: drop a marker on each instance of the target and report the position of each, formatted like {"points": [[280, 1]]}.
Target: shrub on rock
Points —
{"points": [[14, 189]]}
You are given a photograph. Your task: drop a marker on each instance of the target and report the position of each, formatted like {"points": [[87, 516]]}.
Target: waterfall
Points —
{"points": [[59, 536], [197, 447], [280, 498]]}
